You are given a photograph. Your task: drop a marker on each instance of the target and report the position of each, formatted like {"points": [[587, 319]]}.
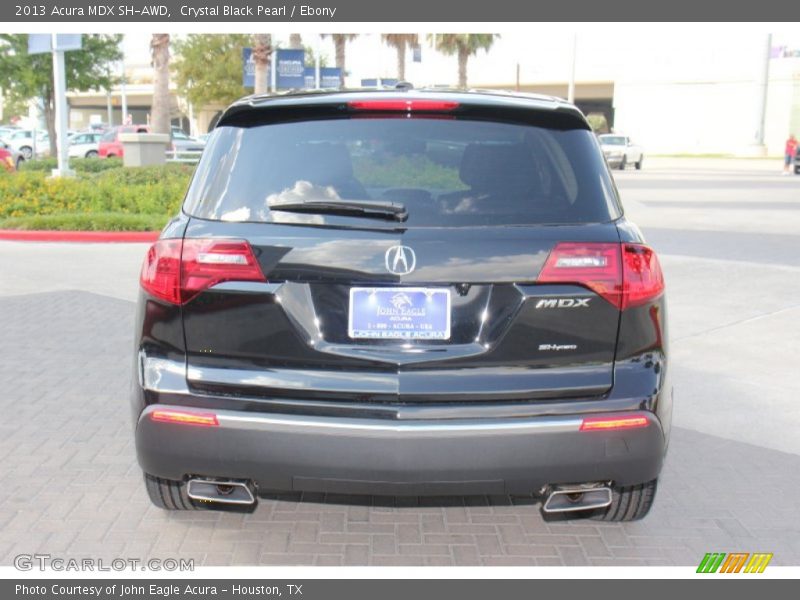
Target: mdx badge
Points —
{"points": [[563, 303], [400, 260]]}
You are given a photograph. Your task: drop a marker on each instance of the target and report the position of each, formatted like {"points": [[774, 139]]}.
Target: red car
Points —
{"points": [[110, 144]]}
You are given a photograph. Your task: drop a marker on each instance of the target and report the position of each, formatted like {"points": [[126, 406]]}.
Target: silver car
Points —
{"points": [[84, 144], [22, 140], [620, 151]]}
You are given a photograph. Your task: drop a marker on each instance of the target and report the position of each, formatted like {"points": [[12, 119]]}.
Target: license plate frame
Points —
{"points": [[400, 313]]}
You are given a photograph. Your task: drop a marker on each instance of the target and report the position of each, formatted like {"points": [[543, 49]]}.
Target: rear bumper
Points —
{"points": [[417, 457]]}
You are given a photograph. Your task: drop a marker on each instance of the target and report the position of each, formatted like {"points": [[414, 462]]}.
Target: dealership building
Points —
{"points": [[682, 89]]}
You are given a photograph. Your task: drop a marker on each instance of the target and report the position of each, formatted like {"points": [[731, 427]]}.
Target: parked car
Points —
{"points": [[185, 143], [451, 302], [7, 129], [797, 162], [15, 157], [110, 145], [22, 140], [620, 151], [84, 144]]}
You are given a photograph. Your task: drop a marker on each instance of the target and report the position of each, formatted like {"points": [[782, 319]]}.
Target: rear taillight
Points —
{"points": [[177, 270], [402, 104], [626, 274], [161, 271], [642, 278]]}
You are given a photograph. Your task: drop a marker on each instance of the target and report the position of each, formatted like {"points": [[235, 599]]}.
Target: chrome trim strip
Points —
{"points": [[298, 379], [162, 374], [345, 426]]}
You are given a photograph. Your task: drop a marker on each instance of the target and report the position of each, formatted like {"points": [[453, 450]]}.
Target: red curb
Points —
{"points": [[21, 235]]}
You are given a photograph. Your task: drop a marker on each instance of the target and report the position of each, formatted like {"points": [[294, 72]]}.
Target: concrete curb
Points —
{"points": [[20, 235]]}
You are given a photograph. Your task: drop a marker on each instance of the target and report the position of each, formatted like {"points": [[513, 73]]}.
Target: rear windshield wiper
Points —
{"points": [[376, 209]]}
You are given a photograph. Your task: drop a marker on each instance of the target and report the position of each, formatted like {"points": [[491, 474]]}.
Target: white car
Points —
{"points": [[21, 140], [620, 151], [84, 144]]}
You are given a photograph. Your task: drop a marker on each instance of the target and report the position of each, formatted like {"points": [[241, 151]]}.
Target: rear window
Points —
{"points": [[446, 172]]}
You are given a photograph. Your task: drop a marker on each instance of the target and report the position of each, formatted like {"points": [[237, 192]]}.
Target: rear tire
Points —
{"points": [[629, 503], [623, 163], [638, 163], [27, 152], [167, 494], [91, 154]]}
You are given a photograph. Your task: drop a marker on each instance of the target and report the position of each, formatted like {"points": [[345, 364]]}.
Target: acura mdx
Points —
{"points": [[402, 292]]}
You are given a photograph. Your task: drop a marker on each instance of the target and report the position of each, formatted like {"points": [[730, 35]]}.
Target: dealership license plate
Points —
{"points": [[399, 313]]}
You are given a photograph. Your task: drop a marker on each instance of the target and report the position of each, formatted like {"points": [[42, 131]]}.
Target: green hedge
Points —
{"points": [[79, 165], [108, 198]]}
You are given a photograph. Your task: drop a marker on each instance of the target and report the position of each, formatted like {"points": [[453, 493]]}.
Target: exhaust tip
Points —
{"points": [[577, 498], [221, 491]]}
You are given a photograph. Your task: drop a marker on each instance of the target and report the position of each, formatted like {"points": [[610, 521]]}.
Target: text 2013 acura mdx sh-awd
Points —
{"points": [[405, 293]]}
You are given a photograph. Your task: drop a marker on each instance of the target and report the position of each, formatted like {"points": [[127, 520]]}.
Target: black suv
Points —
{"points": [[405, 293]]}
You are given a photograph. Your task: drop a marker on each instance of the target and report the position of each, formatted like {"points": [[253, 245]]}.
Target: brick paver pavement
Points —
{"points": [[70, 485]]}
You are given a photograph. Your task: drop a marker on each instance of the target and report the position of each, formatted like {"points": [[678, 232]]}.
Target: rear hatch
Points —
{"points": [[426, 255]]}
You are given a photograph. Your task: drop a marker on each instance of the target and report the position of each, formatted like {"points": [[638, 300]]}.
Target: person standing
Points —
{"points": [[789, 154]]}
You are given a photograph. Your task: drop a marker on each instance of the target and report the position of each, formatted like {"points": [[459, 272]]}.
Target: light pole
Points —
{"points": [[571, 86], [60, 82], [757, 147]]}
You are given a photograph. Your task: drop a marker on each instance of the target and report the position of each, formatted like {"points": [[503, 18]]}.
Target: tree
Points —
{"points": [[262, 55], [30, 76], [340, 45], [208, 68], [400, 42], [295, 41], [160, 113], [464, 45]]}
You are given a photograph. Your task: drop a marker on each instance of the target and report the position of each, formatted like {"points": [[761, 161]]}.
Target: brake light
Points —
{"points": [[177, 270], [612, 423], [185, 417], [407, 105], [161, 271], [593, 265], [205, 263], [626, 275], [642, 278]]}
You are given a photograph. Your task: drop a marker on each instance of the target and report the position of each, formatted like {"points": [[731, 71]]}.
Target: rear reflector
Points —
{"points": [[626, 275], [400, 104], [610, 423], [185, 417], [177, 270]]}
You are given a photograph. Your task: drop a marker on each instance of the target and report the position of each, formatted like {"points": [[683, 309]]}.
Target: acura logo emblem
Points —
{"points": [[400, 260]]}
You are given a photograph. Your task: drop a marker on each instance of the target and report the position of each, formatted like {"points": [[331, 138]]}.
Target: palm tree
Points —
{"points": [[159, 53], [464, 45], [295, 41], [262, 51], [340, 45], [400, 42]]}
